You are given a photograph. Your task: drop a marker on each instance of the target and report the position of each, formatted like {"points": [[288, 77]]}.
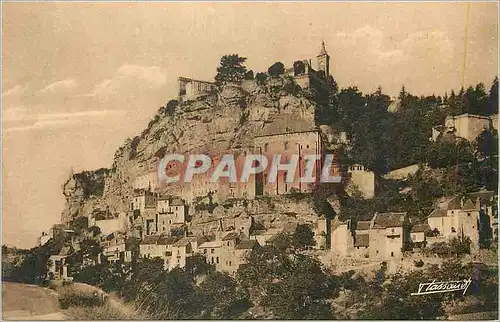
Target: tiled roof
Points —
{"points": [[421, 228], [390, 219], [231, 236], [362, 240], [454, 203], [363, 225], [247, 244], [149, 240], [167, 240], [176, 202], [438, 213], [468, 205], [257, 232], [211, 244], [181, 242]]}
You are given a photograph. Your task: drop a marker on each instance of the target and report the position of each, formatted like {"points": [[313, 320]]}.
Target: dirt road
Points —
{"points": [[29, 302]]}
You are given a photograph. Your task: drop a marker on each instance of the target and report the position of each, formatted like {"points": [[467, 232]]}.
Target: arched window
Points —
{"points": [[286, 145], [266, 146]]}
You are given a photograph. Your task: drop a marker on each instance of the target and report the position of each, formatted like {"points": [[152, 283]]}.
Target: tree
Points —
{"points": [[221, 298], [276, 69], [288, 284], [303, 237], [249, 74], [231, 69], [487, 142], [299, 68], [493, 98], [261, 78], [171, 107]]}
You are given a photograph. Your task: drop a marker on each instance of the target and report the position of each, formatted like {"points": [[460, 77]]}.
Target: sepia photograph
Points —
{"points": [[258, 160]]}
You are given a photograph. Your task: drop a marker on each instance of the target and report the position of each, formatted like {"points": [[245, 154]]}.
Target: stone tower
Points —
{"points": [[324, 60]]}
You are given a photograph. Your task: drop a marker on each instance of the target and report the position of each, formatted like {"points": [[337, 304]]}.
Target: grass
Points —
{"points": [[103, 312], [85, 304]]}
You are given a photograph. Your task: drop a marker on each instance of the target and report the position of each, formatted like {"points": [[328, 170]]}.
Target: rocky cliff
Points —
{"points": [[221, 121]]}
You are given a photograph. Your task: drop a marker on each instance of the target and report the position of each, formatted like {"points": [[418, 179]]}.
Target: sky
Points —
{"points": [[79, 78]]}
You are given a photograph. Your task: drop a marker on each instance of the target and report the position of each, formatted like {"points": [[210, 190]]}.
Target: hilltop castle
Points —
{"points": [[302, 72]]}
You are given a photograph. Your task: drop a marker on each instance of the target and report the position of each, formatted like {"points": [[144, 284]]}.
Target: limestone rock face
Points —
{"points": [[211, 124]]}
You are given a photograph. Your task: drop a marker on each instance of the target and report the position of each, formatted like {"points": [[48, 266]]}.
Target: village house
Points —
{"points": [[157, 246], [362, 179], [228, 251], [462, 217], [190, 89], [58, 268], [183, 250], [171, 213], [115, 249], [382, 236], [467, 126], [419, 233]]}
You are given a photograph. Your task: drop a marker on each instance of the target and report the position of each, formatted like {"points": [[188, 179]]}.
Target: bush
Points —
{"points": [[70, 297], [419, 263], [276, 69], [261, 78]]}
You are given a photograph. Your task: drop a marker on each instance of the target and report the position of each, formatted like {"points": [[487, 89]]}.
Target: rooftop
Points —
{"points": [[421, 228], [363, 225], [232, 235], [362, 240], [247, 244], [438, 213], [390, 219], [211, 244]]}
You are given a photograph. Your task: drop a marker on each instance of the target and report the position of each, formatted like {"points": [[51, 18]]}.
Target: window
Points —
{"points": [[205, 251], [307, 146], [286, 145], [266, 146], [392, 254], [212, 251], [392, 230], [468, 214], [229, 263], [217, 260]]}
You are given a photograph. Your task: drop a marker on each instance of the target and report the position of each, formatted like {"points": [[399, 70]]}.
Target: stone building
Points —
{"points": [[190, 89], [58, 268], [467, 126], [463, 217], [115, 249], [228, 251], [383, 236], [306, 76], [419, 233], [171, 213], [182, 251], [292, 146], [157, 246], [362, 179], [342, 241]]}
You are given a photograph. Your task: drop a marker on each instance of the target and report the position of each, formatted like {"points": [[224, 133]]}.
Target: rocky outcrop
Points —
{"points": [[214, 123]]}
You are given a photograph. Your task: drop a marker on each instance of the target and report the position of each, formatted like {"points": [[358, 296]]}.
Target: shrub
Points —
{"points": [[261, 78], [70, 297], [419, 263], [276, 69]]}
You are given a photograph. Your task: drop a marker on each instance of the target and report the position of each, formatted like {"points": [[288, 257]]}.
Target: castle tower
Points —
{"points": [[324, 60]]}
